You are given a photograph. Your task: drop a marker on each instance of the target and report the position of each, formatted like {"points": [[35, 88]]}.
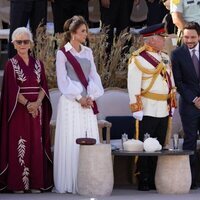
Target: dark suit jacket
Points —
{"points": [[186, 80]]}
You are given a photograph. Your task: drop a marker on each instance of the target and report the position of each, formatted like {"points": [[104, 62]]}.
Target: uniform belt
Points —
{"points": [[157, 97]]}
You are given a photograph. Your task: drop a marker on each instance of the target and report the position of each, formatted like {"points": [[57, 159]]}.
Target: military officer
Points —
{"points": [[152, 96], [185, 11]]}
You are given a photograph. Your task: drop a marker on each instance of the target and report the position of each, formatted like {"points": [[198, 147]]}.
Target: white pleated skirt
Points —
{"points": [[72, 122]]}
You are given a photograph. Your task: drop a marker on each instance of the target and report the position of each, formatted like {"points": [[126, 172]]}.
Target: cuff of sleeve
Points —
{"points": [[78, 97], [194, 99], [136, 106]]}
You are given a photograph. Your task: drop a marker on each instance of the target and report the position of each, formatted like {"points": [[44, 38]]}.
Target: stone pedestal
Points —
{"points": [[95, 171], [173, 174]]}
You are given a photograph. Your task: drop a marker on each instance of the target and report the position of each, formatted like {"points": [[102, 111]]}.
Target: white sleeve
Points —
{"points": [[134, 82], [176, 6], [95, 88], [71, 89]]}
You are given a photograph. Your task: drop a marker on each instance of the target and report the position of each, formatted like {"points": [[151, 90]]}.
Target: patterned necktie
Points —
{"points": [[195, 62]]}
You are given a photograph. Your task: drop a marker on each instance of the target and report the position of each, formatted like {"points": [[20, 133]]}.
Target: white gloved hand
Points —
{"points": [[172, 111], [138, 115]]}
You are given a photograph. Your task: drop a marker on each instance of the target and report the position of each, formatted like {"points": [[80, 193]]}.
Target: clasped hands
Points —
{"points": [[33, 108], [86, 102]]}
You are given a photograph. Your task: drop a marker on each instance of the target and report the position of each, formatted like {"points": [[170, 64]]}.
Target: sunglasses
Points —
{"points": [[20, 42]]}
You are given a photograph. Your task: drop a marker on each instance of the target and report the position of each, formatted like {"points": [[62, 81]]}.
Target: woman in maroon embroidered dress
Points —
{"points": [[25, 112]]}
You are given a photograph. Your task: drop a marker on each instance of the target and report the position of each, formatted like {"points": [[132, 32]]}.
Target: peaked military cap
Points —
{"points": [[156, 29]]}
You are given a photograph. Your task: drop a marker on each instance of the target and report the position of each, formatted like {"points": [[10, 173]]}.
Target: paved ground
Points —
{"points": [[118, 194]]}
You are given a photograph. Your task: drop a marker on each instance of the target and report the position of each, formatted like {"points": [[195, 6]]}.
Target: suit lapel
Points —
{"points": [[199, 54]]}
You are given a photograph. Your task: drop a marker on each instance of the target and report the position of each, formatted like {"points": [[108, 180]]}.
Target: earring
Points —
{"points": [[73, 37]]}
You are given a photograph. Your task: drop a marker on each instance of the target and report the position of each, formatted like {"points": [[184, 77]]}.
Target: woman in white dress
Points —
{"points": [[80, 85]]}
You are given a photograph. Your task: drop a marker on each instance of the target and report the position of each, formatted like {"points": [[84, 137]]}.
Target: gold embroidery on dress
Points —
{"points": [[18, 70], [21, 153], [37, 70], [25, 178]]}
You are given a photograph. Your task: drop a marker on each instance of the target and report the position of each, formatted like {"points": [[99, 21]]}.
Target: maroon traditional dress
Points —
{"points": [[25, 156]]}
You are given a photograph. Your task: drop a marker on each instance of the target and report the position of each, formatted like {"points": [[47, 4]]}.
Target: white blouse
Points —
{"points": [[70, 88]]}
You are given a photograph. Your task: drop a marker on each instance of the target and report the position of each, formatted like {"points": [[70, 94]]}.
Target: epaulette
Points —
{"points": [[164, 52], [137, 52]]}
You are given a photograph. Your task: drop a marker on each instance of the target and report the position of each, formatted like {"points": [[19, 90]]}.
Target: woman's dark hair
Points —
{"points": [[192, 26], [71, 26]]}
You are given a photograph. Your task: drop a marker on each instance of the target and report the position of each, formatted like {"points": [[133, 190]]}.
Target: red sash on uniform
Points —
{"points": [[155, 63], [79, 72]]}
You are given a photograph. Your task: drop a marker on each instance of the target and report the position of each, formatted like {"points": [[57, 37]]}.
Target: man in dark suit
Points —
{"points": [[186, 70], [22, 12]]}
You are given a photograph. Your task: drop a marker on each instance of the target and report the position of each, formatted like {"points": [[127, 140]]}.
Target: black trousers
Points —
{"points": [[63, 10], [191, 126], [156, 12], [22, 12], [117, 15], [157, 128]]}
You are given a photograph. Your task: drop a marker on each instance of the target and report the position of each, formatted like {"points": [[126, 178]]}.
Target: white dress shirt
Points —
{"points": [[196, 51], [70, 88]]}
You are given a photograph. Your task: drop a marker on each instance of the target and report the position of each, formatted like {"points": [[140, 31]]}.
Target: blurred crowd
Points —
{"points": [[118, 14]]}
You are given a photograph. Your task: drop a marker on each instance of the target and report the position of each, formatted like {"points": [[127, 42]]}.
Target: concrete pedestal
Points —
{"points": [[95, 171], [173, 174]]}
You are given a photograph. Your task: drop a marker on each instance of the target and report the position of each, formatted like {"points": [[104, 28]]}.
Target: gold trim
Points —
{"points": [[137, 129], [155, 73], [157, 97], [169, 132], [137, 52], [158, 68]]}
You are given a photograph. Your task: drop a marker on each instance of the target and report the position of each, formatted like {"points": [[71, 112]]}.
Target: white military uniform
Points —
{"points": [[190, 9], [140, 75]]}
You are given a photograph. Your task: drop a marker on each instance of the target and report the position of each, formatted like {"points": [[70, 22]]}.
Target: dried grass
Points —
{"points": [[45, 50], [112, 68]]}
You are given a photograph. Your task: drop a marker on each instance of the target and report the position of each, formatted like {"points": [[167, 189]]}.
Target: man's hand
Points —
{"points": [[197, 102], [172, 111], [105, 3], [138, 115]]}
